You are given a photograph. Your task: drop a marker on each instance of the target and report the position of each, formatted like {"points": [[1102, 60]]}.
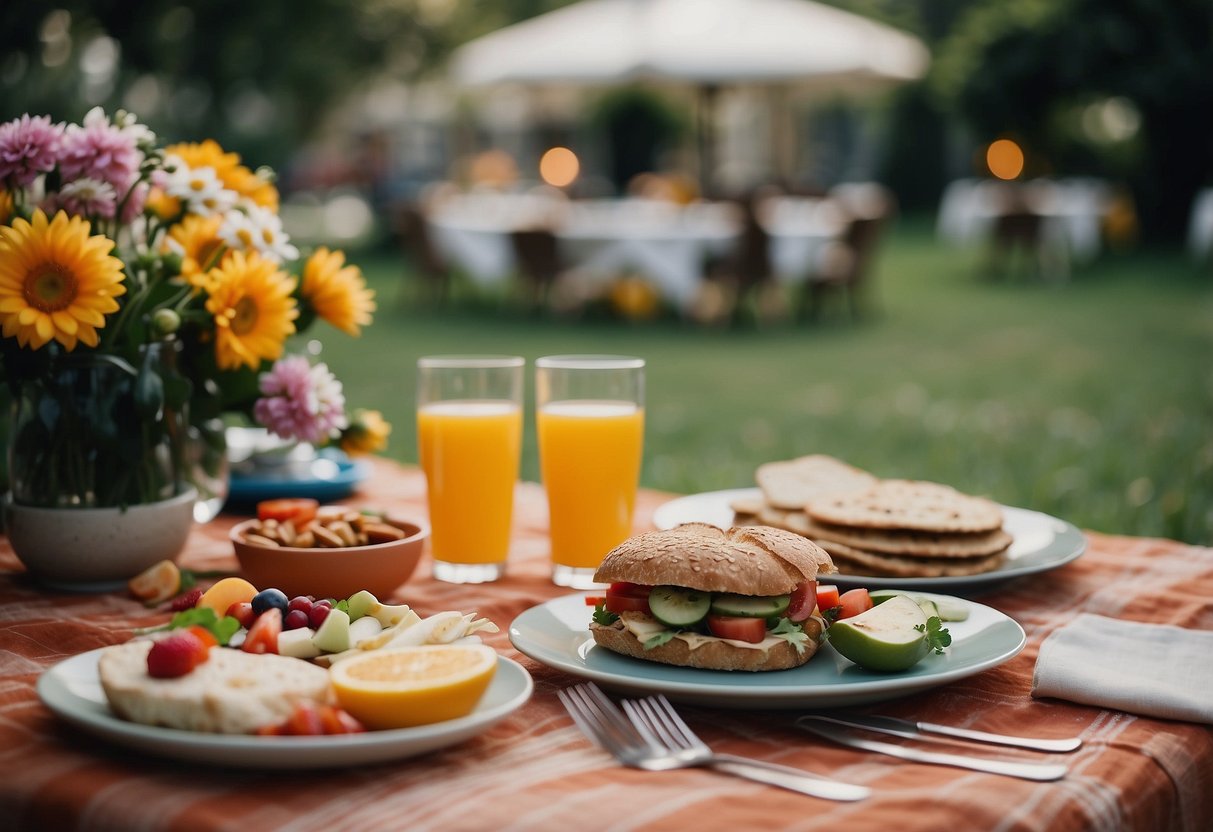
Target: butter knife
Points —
{"points": [[1025, 771], [916, 730]]}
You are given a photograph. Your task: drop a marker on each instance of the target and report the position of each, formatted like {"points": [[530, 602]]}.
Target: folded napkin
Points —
{"points": [[1150, 669]]}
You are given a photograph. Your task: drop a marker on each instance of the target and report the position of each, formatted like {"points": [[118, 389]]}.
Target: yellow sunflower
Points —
{"points": [[367, 433], [337, 292], [250, 299], [197, 240], [56, 281], [6, 206], [231, 173], [164, 206]]}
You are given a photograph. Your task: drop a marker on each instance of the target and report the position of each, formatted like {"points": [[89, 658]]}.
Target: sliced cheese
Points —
{"points": [[644, 628]]}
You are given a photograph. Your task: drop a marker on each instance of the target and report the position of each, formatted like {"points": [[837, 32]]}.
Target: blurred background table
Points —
{"points": [[535, 770]]}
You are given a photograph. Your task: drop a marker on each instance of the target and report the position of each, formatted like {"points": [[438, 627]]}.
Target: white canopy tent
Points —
{"points": [[704, 43]]}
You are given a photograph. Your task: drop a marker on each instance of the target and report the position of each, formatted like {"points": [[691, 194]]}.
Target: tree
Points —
{"points": [[1017, 68]]}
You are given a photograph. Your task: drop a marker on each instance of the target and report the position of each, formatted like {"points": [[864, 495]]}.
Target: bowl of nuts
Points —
{"points": [[332, 554]]}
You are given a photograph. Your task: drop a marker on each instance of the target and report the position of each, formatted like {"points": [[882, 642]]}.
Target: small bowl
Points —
{"points": [[331, 573]]}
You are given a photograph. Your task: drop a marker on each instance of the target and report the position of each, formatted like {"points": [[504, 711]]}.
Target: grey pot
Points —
{"points": [[97, 549]]}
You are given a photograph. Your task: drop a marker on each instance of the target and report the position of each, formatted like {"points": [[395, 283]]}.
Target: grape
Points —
{"points": [[324, 602], [295, 619], [268, 598], [300, 602], [318, 614]]}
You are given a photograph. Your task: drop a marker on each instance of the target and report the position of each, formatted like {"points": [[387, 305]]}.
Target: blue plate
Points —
{"points": [[331, 476]]}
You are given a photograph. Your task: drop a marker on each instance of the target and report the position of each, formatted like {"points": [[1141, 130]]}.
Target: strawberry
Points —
{"points": [[186, 602], [176, 655]]}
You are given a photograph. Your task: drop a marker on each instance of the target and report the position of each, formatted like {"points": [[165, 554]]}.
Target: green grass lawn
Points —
{"points": [[1091, 400]]}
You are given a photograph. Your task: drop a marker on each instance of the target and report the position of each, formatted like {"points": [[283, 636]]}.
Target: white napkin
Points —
{"points": [[1150, 669]]}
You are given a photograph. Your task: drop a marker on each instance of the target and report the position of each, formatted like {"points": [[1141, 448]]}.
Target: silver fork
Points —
{"points": [[602, 721]]}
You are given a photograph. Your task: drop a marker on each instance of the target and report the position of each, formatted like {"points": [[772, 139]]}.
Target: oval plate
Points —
{"points": [[1041, 542], [72, 690], [557, 634]]}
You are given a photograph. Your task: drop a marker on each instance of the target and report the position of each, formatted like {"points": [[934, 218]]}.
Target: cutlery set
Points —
{"points": [[649, 734]]}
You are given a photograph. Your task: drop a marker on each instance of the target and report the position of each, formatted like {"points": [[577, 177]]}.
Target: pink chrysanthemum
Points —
{"points": [[300, 401], [88, 197], [29, 146], [100, 150]]}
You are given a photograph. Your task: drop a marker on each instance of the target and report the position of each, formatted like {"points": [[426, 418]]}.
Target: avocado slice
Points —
{"points": [[884, 637]]}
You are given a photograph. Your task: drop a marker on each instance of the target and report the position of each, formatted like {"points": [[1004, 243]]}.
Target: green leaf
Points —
{"points": [[792, 633], [936, 634], [659, 639], [831, 615], [221, 628], [604, 616], [343, 605]]}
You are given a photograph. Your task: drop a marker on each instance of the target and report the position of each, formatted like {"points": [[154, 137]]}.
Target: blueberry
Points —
{"points": [[267, 598]]}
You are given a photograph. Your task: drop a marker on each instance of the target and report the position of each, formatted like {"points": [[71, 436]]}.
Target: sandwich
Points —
{"points": [[700, 596]]}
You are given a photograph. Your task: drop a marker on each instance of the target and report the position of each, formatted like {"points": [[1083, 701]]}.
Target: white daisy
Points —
{"points": [[258, 229], [200, 189]]}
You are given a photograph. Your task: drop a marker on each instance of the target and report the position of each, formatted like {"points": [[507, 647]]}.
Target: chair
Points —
{"points": [[846, 268], [538, 257], [414, 233], [1019, 228]]}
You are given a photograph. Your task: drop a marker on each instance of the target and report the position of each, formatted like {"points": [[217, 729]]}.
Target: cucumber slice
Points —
{"points": [[947, 609], [750, 606], [675, 606]]}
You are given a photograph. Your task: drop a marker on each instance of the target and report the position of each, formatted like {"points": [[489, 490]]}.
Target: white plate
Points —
{"points": [[557, 634], [1040, 542], [72, 690]]}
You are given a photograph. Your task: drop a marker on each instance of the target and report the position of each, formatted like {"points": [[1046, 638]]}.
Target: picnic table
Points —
{"points": [[535, 770]]}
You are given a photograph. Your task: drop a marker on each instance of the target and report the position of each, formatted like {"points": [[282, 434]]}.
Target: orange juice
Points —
{"points": [[590, 455], [469, 450]]}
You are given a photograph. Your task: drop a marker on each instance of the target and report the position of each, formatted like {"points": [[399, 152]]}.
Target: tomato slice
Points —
{"points": [[853, 602], [263, 635], [827, 597], [626, 597], [752, 630], [594, 600], [803, 602], [299, 510]]}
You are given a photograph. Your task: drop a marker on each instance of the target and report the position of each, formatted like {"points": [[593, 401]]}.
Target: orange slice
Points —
{"points": [[157, 583], [406, 686], [225, 592]]}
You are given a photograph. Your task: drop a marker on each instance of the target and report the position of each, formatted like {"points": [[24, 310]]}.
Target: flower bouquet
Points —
{"points": [[145, 292]]}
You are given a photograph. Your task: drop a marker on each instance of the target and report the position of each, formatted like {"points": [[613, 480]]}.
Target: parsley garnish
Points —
{"points": [[604, 616], [831, 615], [660, 639], [937, 636], [792, 633]]}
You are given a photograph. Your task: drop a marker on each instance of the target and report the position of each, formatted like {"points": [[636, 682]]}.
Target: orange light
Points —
{"points": [[559, 167], [1004, 158]]}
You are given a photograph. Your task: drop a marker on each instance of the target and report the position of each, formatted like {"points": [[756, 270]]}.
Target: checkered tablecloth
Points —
{"points": [[535, 771]]}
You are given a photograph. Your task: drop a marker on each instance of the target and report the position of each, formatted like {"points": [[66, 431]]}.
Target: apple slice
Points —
{"points": [[886, 637]]}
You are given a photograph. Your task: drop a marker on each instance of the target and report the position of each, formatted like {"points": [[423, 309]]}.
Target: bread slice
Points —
{"points": [[715, 654], [750, 560], [232, 692], [792, 484]]}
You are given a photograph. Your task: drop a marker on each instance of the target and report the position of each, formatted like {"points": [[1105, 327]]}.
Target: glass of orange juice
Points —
{"points": [[469, 433], [590, 420]]}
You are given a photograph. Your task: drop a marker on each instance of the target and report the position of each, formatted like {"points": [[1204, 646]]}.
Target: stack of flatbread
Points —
{"points": [[887, 528]]}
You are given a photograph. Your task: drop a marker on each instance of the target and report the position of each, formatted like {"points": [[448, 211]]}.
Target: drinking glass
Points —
{"points": [[469, 432], [590, 420]]}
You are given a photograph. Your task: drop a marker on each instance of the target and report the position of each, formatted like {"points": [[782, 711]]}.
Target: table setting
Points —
{"points": [[360, 643], [1069, 693]]}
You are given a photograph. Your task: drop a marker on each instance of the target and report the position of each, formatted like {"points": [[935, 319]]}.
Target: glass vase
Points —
{"points": [[99, 431]]}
